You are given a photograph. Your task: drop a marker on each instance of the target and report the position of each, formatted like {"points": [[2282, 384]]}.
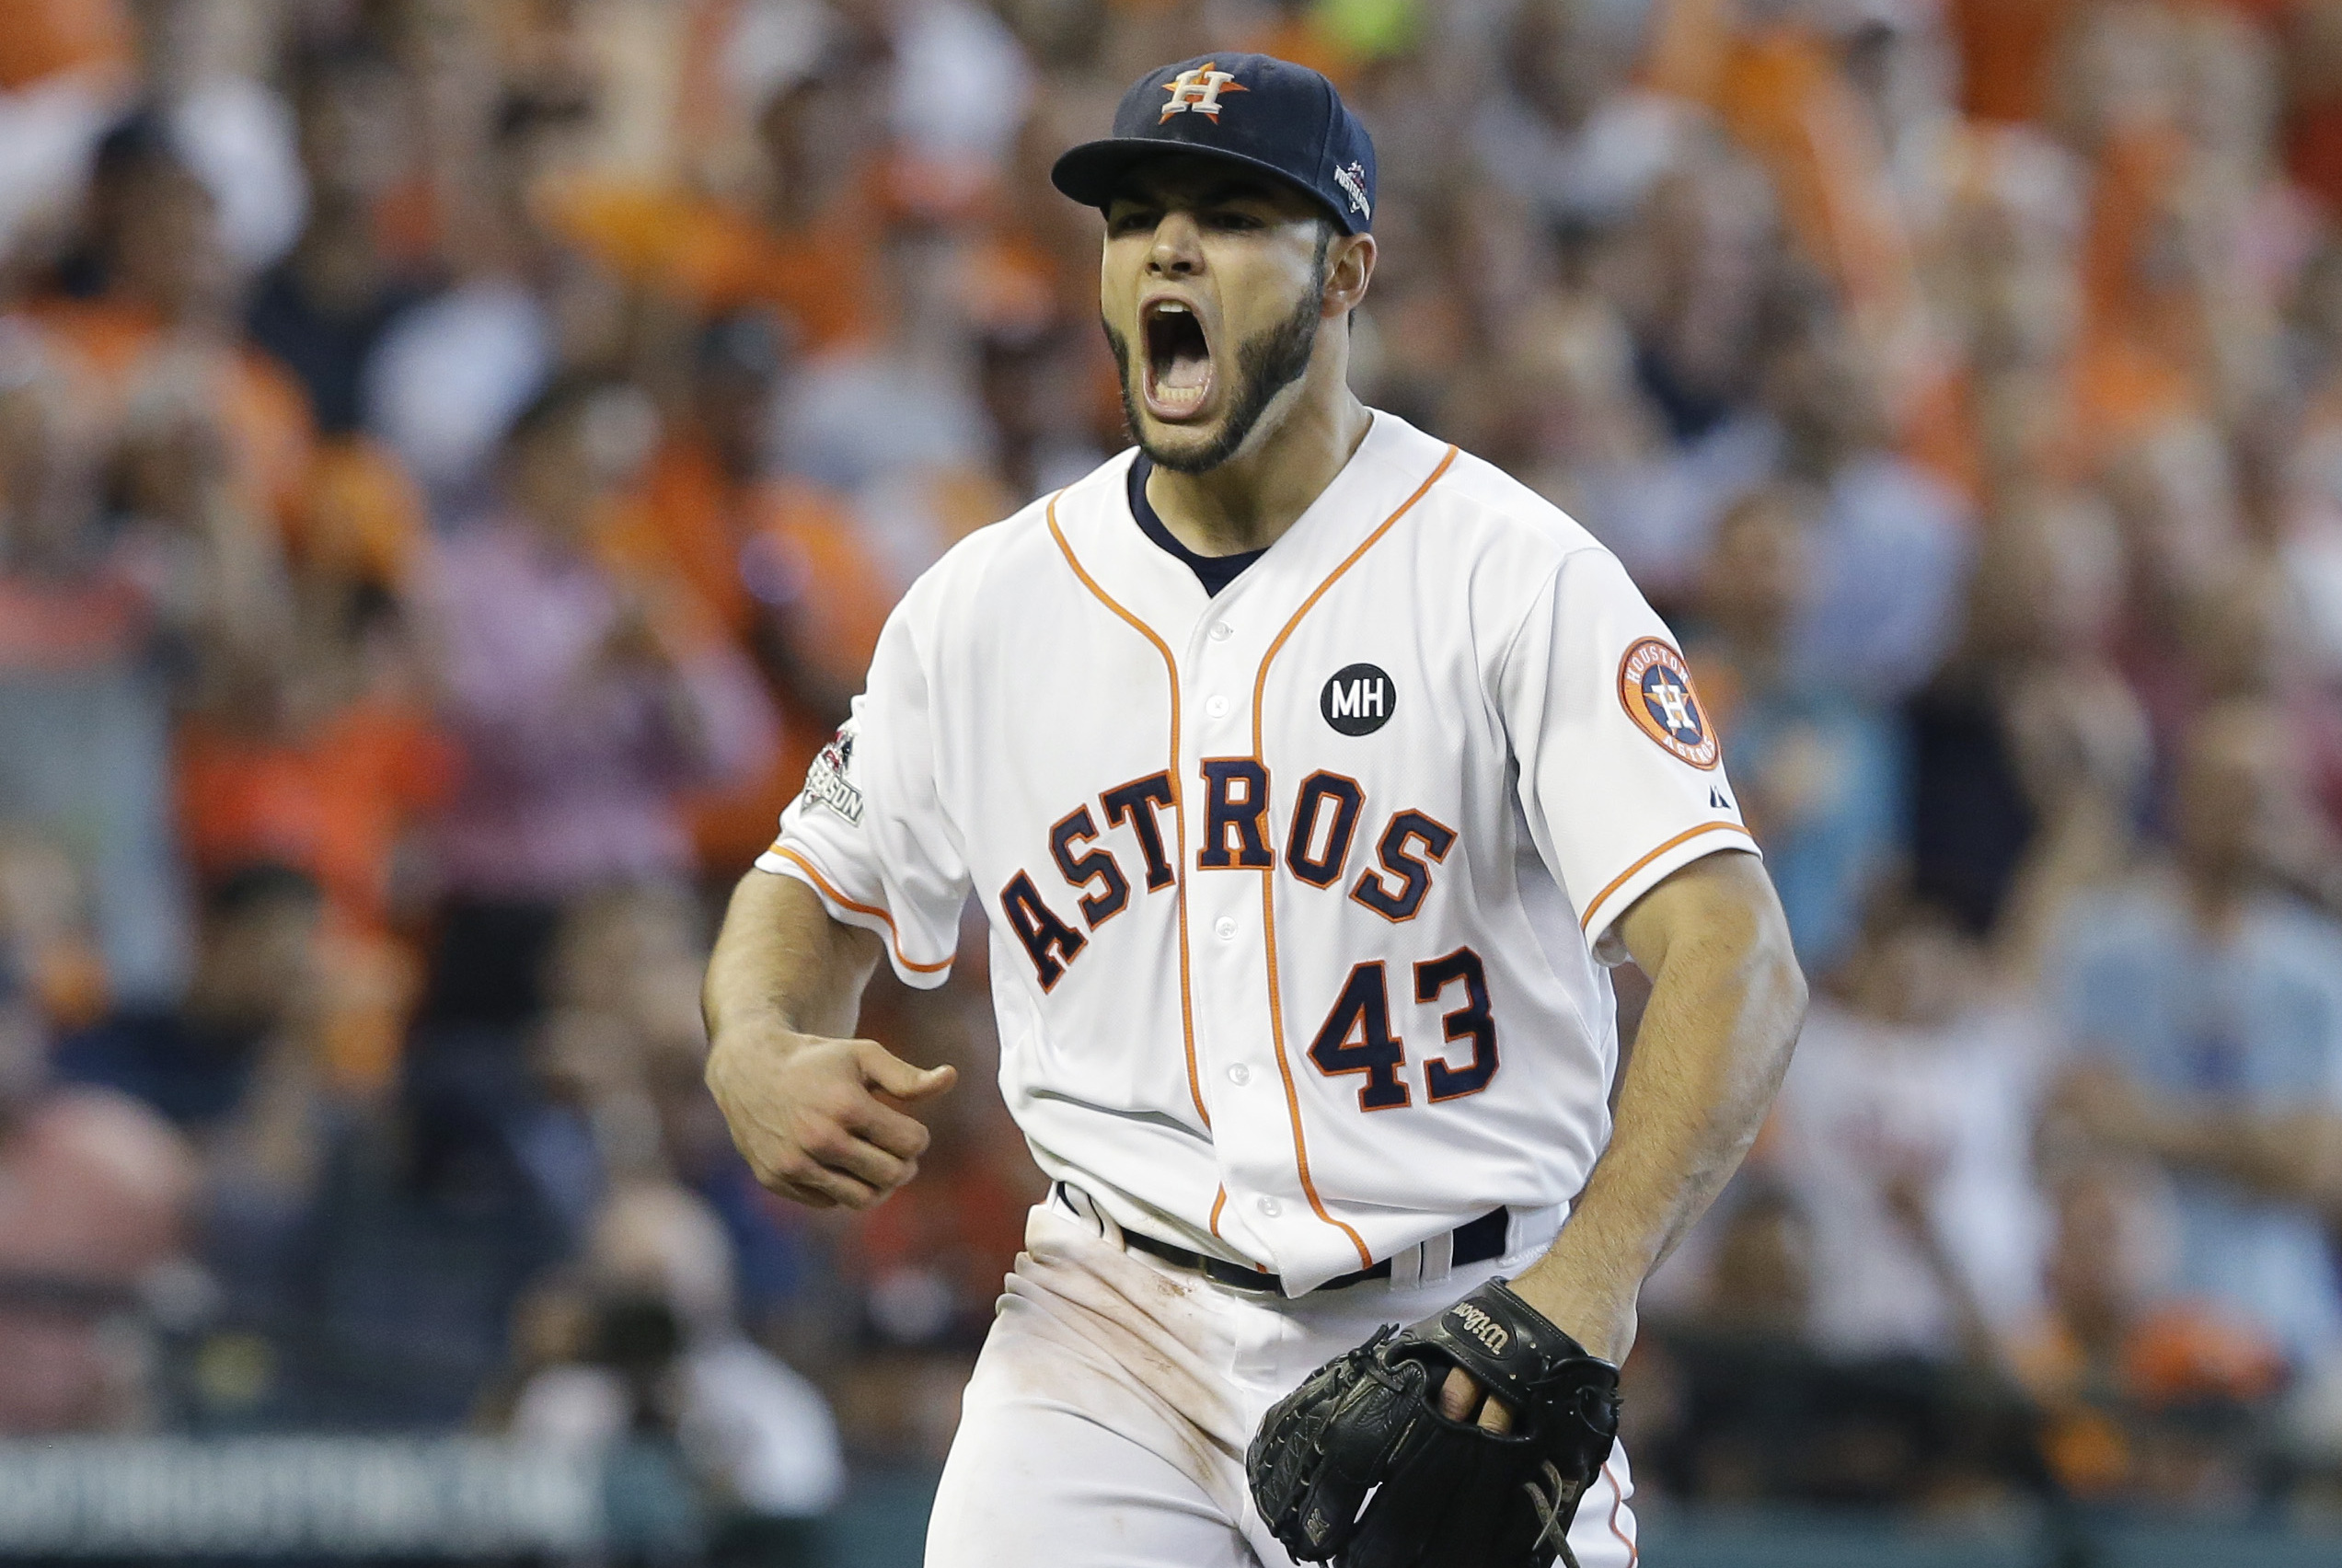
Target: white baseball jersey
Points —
{"points": [[1297, 892]]}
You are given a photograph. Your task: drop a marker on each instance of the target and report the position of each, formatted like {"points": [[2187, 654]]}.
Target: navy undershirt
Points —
{"points": [[1214, 572]]}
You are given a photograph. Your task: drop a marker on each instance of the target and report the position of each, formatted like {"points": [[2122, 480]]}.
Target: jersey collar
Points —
{"points": [[1094, 515]]}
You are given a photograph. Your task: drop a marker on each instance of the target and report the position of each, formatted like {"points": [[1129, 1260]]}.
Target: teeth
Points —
{"points": [[1172, 308]]}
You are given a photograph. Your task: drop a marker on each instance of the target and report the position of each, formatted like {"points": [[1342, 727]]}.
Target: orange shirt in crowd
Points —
{"points": [[44, 37], [824, 276], [733, 550], [263, 412], [333, 803], [1783, 98], [2006, 50]]}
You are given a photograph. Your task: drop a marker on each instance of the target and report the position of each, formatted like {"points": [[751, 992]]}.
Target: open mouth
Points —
{"points": [[1179, 359]]}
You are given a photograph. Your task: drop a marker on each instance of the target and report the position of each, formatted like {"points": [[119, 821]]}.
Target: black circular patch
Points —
{"points": [[1358, 700]]}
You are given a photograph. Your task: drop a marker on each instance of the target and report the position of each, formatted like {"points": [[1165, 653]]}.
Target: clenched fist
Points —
{"points": [[820, 1120]]}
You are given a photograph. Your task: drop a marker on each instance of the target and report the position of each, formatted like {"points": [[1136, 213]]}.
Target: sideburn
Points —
{"points": [[1265, 367]]}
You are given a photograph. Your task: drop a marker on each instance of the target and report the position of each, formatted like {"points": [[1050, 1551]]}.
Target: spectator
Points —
{"points": [[1573, 135], [446, 378], [2029, 754], [2201, 985], [84, 714], [1692, 272], [254, 981], [660, 1353], [1819, 773], [1891, 547], [322, 310], [1903, 1128], [95, 1197], [155, 303], [584, 706], [427, 1215], [2142, 1394], [749, 546]]}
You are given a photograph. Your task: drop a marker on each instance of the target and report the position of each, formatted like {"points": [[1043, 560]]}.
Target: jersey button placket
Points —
{"points": [[1249, 1130]]}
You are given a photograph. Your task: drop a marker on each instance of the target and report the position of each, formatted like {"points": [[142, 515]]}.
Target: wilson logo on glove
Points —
{"points": [[1483, 1327]]}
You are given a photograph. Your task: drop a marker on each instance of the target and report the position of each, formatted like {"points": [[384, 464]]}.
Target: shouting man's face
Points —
{"points": [[1212, 290]]}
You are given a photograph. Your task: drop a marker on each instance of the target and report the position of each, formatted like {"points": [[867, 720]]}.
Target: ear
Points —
{"points": [[1349, 269]]}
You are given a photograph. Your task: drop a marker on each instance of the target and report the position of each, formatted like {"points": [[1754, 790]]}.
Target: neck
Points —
{"points": [[1249, 502]]}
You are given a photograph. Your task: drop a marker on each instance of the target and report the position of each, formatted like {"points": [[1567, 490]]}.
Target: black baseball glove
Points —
{"points": [[1445, 1493]]}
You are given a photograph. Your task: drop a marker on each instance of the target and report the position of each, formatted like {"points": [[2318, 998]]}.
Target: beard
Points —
{"points": [[1266, 366]]}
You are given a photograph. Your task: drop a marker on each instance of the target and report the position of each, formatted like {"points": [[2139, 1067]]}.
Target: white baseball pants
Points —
{"points": [[1106, 1422]]}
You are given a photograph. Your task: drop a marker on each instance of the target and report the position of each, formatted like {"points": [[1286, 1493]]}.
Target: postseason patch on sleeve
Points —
{"points": [[825, 781], [1655, 687]]}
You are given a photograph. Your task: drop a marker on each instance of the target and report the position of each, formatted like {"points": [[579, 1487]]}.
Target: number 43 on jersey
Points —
{"points": [[1357, 1038]]}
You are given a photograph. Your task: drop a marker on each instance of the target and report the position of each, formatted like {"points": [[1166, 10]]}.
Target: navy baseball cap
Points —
{"points": [[1252, 109]]}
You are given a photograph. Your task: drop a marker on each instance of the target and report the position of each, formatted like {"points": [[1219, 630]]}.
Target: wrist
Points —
{"points": [[765, 1033], [1602, 1322]]}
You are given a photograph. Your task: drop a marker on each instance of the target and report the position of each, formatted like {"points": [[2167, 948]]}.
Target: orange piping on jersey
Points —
{"points": [[1627, 875], [1179, 811], [1261, 681], [837, 898], [1268, 877], [1617, 1502], [1219, 1202]]}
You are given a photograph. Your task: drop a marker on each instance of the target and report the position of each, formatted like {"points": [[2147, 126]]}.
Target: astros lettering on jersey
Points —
{"points": [[1300, 896]]}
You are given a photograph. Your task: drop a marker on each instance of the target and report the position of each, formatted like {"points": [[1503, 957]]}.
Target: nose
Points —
{"points": [[1178, 250]]}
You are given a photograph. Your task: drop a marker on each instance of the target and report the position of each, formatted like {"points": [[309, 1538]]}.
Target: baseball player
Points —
{"points": [[1310, 773]]}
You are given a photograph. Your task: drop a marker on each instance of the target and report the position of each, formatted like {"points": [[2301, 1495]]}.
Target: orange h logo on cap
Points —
{"points": [[1199, 89]]}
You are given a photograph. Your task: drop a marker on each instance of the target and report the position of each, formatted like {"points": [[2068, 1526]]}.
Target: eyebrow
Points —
{"points": [[1215, 195]]}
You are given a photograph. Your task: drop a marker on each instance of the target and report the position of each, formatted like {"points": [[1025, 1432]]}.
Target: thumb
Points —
{"points": [[889, 1074]]}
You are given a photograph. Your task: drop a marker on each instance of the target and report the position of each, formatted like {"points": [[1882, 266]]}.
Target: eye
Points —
{"points": [[1132, 220], [1231, 219]]}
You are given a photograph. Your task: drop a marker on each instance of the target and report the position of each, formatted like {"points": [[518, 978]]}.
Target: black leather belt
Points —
{"points": [[1476, 1241]]}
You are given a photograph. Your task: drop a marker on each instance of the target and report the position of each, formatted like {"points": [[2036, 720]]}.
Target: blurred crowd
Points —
{"points": [[456, 457]]}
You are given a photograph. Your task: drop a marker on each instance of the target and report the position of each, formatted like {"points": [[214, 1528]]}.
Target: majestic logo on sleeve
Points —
{"points": [[1358, 700], [1655, 686], [1200, 90], [825, 781]]}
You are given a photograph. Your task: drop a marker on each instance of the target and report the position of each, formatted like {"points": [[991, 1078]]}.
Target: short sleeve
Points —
{"points": [[1622, 774], [868, 833]]}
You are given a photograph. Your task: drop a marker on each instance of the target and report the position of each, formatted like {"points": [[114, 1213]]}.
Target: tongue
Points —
{"points": [[1184, 370]]}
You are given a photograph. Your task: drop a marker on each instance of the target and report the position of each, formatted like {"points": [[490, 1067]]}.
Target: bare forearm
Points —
{"points": [[781, 960], [819, 1116], [1726, 1000], [2295, 1158]]}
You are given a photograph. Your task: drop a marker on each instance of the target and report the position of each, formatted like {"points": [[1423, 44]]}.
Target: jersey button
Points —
{"points": [[1226, 926], [1270, 1207], [1217, 707], [1239, 1075], [1222, 631]]}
